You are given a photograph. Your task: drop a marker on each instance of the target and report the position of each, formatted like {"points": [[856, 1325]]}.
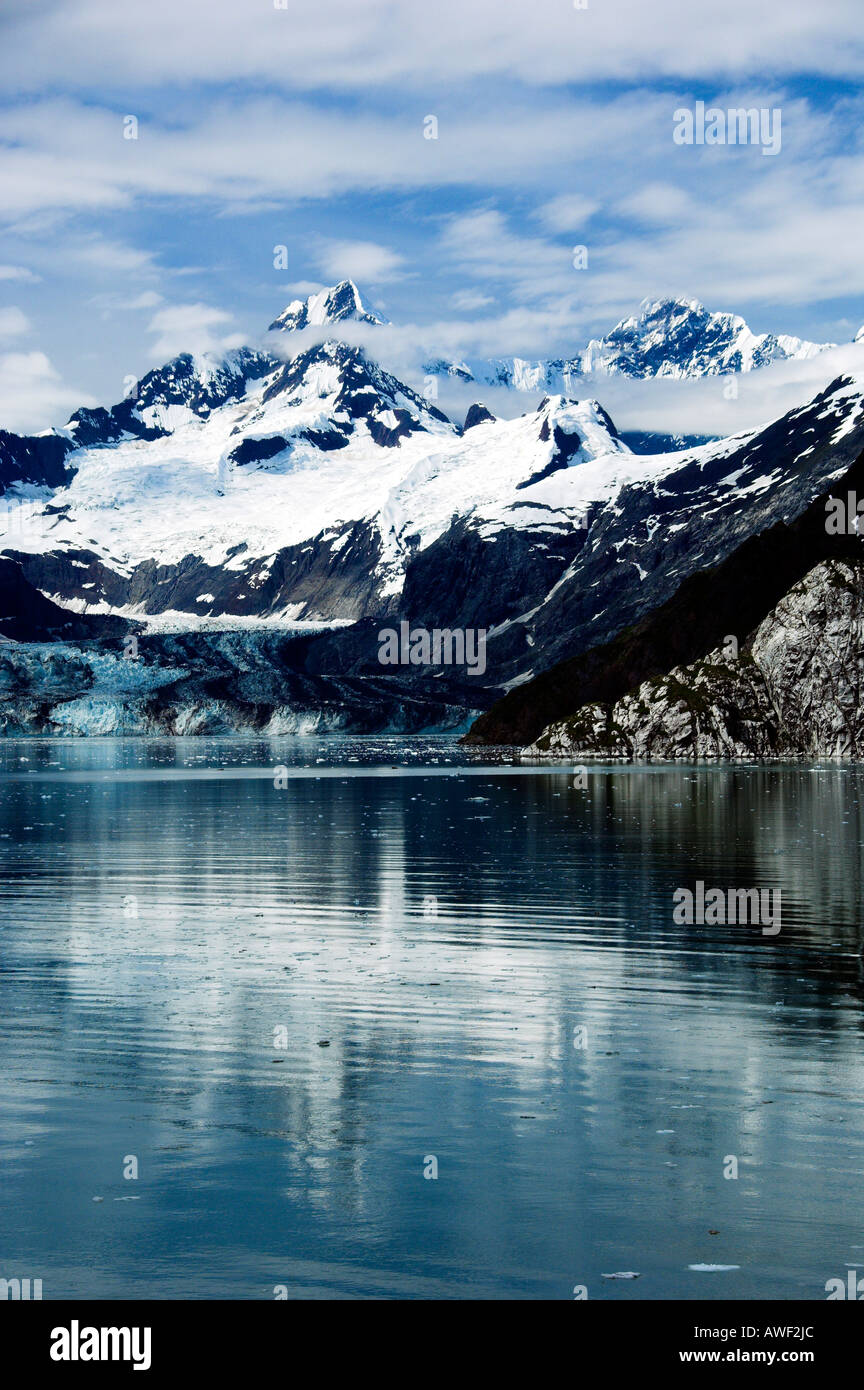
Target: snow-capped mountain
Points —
{"points": [[186, 389], [315, 488], [667, 338], [681, 338], [334, 305], [305, 500]]}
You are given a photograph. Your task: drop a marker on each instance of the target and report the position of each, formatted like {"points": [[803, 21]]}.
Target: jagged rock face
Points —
{"points": [[795, 689], [681, 338], [477, 414], [184, 388], [360, 390], [335, 305], [810, 652], [38, 461], [712, 709]]}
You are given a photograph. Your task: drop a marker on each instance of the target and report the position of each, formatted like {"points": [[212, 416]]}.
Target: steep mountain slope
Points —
{"points": [[39, 461], [306, 500], [795, 688], [28, 616], [185, 390], [729, 599], [681, 338], [334, 305]]}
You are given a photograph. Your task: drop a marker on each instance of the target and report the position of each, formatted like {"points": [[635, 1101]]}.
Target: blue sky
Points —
{"points": [[303, 126]]}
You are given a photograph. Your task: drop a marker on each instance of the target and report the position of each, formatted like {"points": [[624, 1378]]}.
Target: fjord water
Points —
{"points": [[284, 1000]]}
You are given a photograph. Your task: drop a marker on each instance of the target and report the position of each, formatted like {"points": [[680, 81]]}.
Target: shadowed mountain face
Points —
{"points": [[729, 599], [794, 688], [26, 615], [38, 461]]}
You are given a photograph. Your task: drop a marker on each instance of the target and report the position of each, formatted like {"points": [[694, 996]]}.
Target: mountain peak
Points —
{"points": [[650, 308], [332, 305], [678, 337]]}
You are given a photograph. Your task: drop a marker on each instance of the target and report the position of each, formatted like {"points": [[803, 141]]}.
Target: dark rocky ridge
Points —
{"points": [[40, 460], [26, 615], [794, 689], [731, 598], [656, 534], [477, 414], [179, 382]]}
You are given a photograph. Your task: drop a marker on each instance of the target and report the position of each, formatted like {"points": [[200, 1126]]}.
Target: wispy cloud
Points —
{"points": [[191, 328], [13, 322], [32, 392], [359, 260], [400, 44], [17, 272]]}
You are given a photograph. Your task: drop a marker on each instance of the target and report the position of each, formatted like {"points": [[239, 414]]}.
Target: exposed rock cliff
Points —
{"points": [[794, 688]]}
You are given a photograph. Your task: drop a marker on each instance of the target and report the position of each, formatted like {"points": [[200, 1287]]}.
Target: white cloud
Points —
{"points": [[567, 213], [469, 301], [103, 254], [32, 393], [62, 155], [359, 260], [483, 243], [418, 47], [147, 300], [13, 322], [190, 328], [658, 204], [16, 272], [301, 289]]}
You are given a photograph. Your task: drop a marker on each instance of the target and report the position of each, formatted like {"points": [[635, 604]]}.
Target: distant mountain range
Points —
{"points": [[668, 338], [254, 519]]}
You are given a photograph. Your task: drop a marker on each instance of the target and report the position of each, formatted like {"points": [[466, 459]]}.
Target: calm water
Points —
{"points": [[179, 937]]}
